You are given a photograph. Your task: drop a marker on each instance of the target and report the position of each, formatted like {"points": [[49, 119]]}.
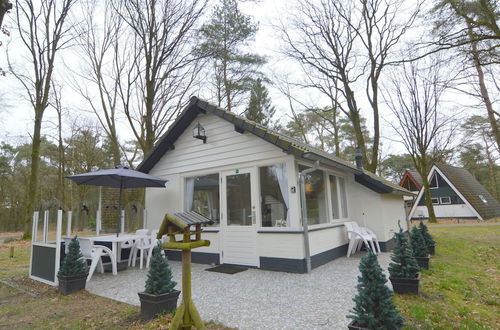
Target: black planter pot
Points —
{"points": [[423, 262], [72, 283], [152, 305], [405, 285], [354, 326], [432, 249]]}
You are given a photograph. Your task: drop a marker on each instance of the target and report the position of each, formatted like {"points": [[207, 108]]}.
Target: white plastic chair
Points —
{"points": [[357, 235], [94, 253], [141, 244], [153, 241]]}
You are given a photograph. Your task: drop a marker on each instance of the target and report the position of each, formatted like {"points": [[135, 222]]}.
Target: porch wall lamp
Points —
{"points": [[199, 133]]}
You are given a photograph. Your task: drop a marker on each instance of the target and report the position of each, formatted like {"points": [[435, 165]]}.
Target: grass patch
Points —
{"points": [[462, 288]]}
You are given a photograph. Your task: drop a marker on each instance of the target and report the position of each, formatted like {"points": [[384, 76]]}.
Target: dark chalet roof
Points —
{"points": [[286, 143], [477, 196]]}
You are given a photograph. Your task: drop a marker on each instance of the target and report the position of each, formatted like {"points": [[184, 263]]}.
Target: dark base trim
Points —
{"points": [[426, 218], [196, 257], [387, 245]]}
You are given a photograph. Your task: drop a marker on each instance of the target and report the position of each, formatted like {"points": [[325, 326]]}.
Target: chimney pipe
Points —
{"points": [[358, 156]]}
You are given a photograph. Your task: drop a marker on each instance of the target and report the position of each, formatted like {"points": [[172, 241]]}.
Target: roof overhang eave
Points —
{"points": [[329, 162]]}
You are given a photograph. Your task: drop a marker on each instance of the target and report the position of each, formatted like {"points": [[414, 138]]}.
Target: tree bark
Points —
{"points": [[34, 171], [482, 87]]}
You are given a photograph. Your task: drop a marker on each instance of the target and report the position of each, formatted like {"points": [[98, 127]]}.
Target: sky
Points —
{"points": [[17, 115]]}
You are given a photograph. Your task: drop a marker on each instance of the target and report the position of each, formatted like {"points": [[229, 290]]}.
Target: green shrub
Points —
{"points": [[160, 275], [374, 307], [73, 263], [403, 263], [418, 244], [429, 241]]}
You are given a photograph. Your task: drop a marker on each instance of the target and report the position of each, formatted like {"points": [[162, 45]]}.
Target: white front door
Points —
{"points": [[239, 217]]}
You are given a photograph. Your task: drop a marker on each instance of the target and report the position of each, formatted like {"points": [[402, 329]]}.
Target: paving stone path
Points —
{"points": [[257, 299]]}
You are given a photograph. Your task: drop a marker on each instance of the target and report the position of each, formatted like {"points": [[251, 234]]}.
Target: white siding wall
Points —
{"points": [[327, 239], [393, 211], [445, 211]]}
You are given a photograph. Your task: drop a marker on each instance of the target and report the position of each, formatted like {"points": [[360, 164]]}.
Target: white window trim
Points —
{"points": [[436, 198], [441, 200], [437, 182], [183, 179]]}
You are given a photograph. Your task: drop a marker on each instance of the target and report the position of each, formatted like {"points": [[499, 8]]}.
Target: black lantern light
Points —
{"points": [[199, 133]]}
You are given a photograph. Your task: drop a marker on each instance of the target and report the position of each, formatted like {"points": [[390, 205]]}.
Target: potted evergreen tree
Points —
{"points": [[419, 247], [72, 274], [159, 295], [431, 244], [374, 308], [403, 270]]}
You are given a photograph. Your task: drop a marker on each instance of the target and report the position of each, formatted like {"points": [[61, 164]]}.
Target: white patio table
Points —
{"points": [[116, 242]]}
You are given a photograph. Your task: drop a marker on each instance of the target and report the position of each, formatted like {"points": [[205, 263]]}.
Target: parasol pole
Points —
{"points": [[120, 223]]}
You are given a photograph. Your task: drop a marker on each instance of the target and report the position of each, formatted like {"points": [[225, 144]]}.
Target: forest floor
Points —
{"points": [[461, 290]]}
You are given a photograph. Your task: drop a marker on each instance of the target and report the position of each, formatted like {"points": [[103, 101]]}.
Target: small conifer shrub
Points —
{"points": [[429, 241], [418, 243], [374, 308], [159, 279], [73, 263], [403, 263]]}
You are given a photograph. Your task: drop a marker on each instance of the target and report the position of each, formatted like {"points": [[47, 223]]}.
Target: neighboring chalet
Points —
{"points": [[244, 177], [455, 194], [411, 181]]}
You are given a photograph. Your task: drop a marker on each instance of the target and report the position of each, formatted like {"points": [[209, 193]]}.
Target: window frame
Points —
{"points": [[288, 218], [445, 203], [434, 176], [185, 176], [435, 198]]}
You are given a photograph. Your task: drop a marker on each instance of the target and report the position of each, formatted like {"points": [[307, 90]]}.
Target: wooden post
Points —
{"points": [[11, 254]]}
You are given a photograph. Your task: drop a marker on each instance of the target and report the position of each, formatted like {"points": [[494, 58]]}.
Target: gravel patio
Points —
{"points": [[257, 299]]}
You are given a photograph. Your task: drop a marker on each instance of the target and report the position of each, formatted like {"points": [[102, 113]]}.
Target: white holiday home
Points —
{"points": [[245, 178]]}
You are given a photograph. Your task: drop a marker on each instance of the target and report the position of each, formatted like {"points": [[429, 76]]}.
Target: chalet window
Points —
{"points": [[335, 197], [201, 194], [315, 197], [435, 200], [445, 200], [274, 195], [409, 203], [343, 198], [434, 181]]}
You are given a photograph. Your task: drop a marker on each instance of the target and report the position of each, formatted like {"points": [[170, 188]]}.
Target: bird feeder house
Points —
{"points": [[189, 225]]}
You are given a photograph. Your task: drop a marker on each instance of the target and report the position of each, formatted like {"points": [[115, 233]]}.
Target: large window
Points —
{"points": [[338, 197], [274, 195], [201, 194], [335, 197], [315, 197], [343, 198]]}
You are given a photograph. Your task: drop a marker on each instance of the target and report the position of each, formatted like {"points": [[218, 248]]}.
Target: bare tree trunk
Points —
{"points": [[482, 87], [35, 168]]}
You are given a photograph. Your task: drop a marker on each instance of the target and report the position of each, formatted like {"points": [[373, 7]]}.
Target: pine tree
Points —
{"points": [[403, 263], [259, 107], [159, 279], [374, 307], [222, 40], [427, 236], [73, 263], [418, 244]]}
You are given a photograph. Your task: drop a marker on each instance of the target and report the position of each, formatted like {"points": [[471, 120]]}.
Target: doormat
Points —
{"points": [[226, 269]]}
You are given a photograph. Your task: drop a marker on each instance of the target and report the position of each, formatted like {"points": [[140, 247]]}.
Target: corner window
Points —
{"points": [[201, 194], [315, 197], [274, 195], [343, 198], [435, 200], [335, 197], [445, 200]]}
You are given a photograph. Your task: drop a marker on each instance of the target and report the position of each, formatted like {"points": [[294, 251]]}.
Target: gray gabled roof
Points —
{"points": [[286, 143], [477, 196]]}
